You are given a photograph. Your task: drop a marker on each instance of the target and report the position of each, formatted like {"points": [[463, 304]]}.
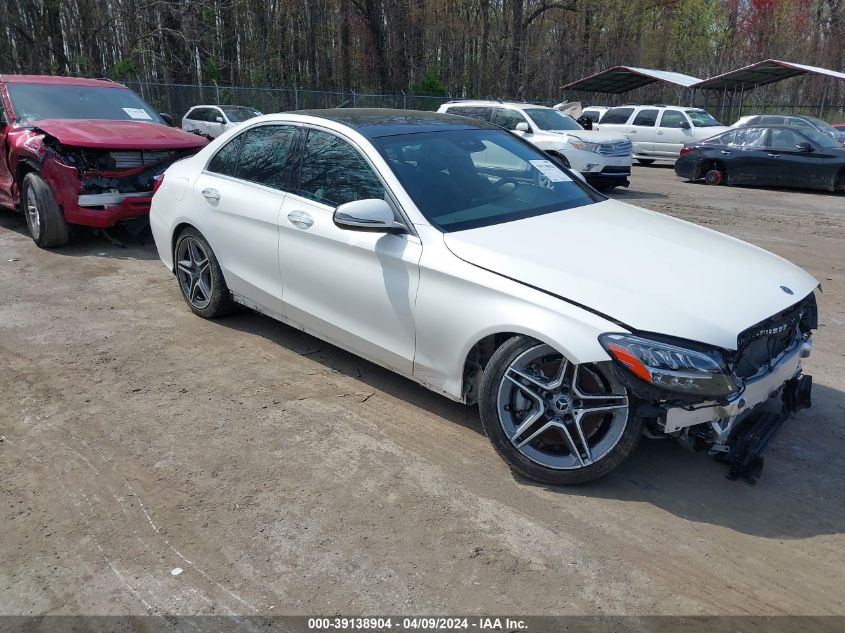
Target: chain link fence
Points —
{"points": [[177, 99]]}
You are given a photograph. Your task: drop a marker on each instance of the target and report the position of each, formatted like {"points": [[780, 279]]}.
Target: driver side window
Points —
{"points": [[672, 119], [507, 119], [334, 173]]}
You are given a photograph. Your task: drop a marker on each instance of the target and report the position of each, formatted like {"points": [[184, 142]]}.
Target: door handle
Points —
{"points": [[726, 153], [632, 131], [300, 219], [660, 133], [211, 195], [774, 155]]}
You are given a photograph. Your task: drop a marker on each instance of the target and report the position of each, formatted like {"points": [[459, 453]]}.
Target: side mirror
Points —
{"points": [[167, 118], [522, 126], [218, 119], [804, 147], [684, 125], [372, 214]]}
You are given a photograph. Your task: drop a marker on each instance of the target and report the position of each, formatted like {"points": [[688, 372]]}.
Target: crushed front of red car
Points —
{"points": [[100, 172]]}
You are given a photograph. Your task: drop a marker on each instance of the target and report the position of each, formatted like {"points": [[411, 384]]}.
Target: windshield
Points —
{"points": [[236, 114], [34, 102], [464, 179], [821, 139], [824, 126], [700, 118], [552, 120]]}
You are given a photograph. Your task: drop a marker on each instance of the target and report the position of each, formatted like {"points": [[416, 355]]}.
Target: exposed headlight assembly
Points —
{"points": [[671, 367], [577, 143]]}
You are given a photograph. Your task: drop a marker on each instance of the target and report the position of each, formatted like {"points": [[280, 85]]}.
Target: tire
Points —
{"points": [[44, 218], [645, 161], [611, 437], [199, 276], [714, 177]]}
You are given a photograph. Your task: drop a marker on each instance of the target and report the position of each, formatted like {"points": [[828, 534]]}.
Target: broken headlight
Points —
{"points": [[671, 367]]}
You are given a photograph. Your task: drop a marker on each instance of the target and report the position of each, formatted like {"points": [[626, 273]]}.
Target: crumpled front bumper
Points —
{"points": [[107, 209]]}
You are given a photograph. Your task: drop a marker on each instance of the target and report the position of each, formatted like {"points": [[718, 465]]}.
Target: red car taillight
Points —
{"points": [[686, 149], [157, 180]]}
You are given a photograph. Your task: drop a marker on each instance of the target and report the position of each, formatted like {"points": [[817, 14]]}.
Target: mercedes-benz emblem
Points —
{"points": [[787, 290]]}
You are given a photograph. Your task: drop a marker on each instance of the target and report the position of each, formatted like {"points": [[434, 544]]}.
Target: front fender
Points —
{"points": [[459, 304]]}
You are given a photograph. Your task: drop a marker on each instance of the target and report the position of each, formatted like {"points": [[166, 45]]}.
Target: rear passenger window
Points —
{"points": [[617, 115], [672, 119], [334, 173], [264, 154], [646, 118], [752, 137], [225, 161], [474, 112]]}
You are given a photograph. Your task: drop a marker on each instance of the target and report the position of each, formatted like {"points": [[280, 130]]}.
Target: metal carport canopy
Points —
{"points": [[621, 79], [762, 73]]}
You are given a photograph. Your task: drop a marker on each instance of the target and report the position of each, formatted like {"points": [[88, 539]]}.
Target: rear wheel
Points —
{"points": [[552, 420], [714, 176], [645, 161], [200, 277], [44, 217], [840, 181]]}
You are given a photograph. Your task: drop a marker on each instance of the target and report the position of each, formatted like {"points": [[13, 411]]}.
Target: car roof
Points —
{"points": [[661, 105], [56, 80], [375, 122], [518, 105]]}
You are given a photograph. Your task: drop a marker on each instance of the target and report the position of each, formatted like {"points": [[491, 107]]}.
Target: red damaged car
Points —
{"points": [[80, 151]]}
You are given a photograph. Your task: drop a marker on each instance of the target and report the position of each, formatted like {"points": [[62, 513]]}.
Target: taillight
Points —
{"points": [[686, 149], [157, 180]]}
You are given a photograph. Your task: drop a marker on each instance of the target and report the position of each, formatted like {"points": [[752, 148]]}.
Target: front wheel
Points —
{"points": [[552, 420], [44, 217]]}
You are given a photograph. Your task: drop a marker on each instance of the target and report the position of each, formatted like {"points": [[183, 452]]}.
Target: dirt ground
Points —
{"points": [[285, 476]]}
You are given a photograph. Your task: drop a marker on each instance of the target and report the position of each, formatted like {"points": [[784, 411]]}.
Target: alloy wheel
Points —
{"points": [[559, 414], [194, 271], [32, 215]]}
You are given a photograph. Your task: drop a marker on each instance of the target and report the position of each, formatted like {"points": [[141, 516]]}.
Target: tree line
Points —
{"points": [[501, 48]]}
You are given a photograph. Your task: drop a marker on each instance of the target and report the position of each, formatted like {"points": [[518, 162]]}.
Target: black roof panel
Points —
{"points": [[374, 122]]}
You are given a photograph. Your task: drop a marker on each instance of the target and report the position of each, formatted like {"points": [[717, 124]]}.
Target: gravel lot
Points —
{"points": [[286, 476]]}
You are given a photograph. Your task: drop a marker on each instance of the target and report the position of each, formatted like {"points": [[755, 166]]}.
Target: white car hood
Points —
{"points": [[649, 271]]}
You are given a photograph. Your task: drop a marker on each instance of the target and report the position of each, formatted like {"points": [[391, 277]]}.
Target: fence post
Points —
{"points": [[404, 101], [295, 97], [216, 93], [353, 98]]}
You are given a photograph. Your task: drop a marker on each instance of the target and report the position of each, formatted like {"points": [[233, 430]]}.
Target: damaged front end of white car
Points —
{"points": [[730, 403]]}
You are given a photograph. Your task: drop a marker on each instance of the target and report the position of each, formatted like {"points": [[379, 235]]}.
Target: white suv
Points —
{"points": [[603, 159], [658, 132], [213, 120]]}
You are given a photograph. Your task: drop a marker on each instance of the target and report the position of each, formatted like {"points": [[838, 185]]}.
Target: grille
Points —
{"points": [[762, 343], [131, 159], [622, 148]]}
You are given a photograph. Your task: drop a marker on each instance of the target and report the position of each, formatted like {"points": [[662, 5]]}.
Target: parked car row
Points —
{"points": [[603, 159], [431, 244]]}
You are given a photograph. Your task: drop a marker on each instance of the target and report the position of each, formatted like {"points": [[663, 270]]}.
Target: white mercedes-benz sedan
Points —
{"points": [[457, 254]]}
